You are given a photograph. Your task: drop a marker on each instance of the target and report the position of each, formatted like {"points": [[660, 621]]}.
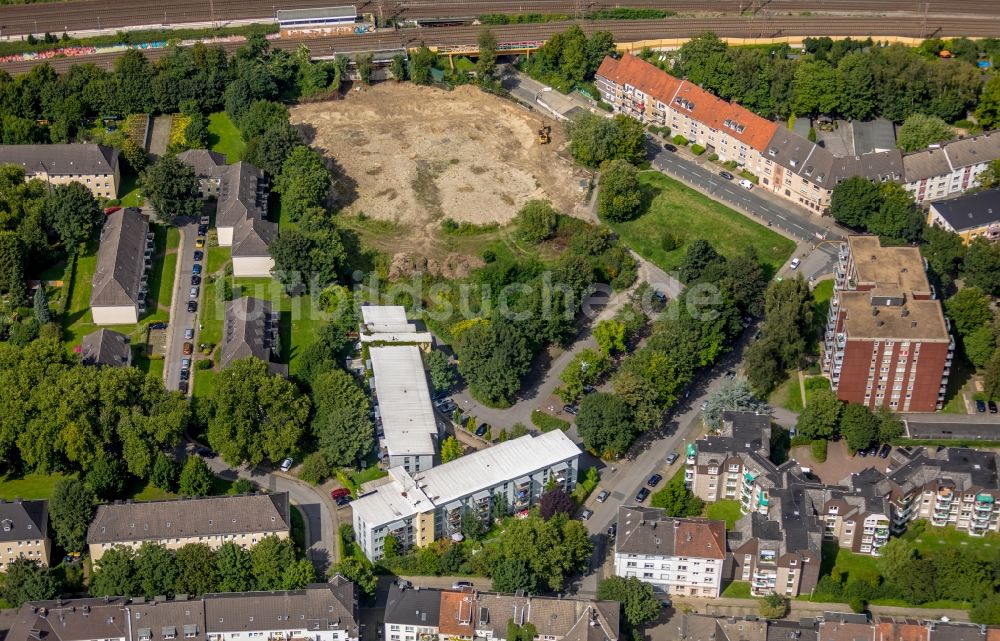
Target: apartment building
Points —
{"points": [[950, 168], [208, 166], [251, 329], [94, 166], [857, 519], [214, 520], [125, 254], [419, 508], [683, 557], [971, 216], [24, 531], [406, 427], [320, 612], [887, 341], [430, 614]]}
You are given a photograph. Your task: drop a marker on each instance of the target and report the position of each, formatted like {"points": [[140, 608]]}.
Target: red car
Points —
{"points": [[110, 210], [340, 492]]}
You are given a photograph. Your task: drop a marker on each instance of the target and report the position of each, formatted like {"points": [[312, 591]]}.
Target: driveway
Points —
{"points": [[179, 316], [839, 464]]}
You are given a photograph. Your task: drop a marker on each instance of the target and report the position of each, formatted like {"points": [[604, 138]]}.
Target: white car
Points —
{"points": [[795, 263], [746, 184], [193, 293], [286, 464], [188, 333]]}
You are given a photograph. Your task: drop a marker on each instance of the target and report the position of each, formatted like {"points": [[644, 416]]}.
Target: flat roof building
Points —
{"points": [[388, 324], [424, 506], [403, 406]]}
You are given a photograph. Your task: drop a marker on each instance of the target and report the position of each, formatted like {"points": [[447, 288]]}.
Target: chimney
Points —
{"points": [[904, 313], [913, 323]]}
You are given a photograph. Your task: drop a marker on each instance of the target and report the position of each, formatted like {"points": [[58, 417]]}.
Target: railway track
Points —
{"points": [[85, 15], [624, 31]]}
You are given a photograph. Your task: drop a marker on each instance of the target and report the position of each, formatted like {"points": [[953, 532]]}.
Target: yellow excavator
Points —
{"points": [[544, 135]]}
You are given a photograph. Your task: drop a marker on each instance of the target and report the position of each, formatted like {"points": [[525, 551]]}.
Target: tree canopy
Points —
{"points": [[341, 423], [172, 189], [594, 140], [619, 197]]}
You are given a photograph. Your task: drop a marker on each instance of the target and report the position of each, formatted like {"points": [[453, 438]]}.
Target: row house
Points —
{"points": [[94, 166], [319, 612], [682, 557], [420, 507], [120, 287], [887, 341], [414, 613], [950, 168]]}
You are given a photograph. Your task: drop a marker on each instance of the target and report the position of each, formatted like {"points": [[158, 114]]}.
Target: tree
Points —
{"points": [[918, 131], [196, 479], [605, 424], [858, 426], [261, 116], [705, 61], [594, 140], [610, 336], [820, 417], [980, 345], [359, 571], [197, 572], [890, 427], [114, 574], [472, 525], [898, 220], [196, 133], [969, 309], [304, 181], [773, 606], [638, 602], [982, 266], [270, 150], [12, 266], [944, 251], [398, 67], [487, 62], [676, 499], [536, 221], [268, 560], [235, 570], [991, 377], [511, 575], [619, 196], [815, 88], [172, 189], [854, 201], [420, 65], [451, 449], [698, 256], [341, 423], [989, 177], [442, 373], [493, 357], [856, 87], [41, 305], [106, 477], [70, 509], [255, 415], [155, 570], [72, 212], [134, 155], [986, 611], [27, 580], [298, 575], [555, 501], [988, 111], [366, 65], [315, 469], [734, 395], [164, 475], [244, 486], [586, 368], [550, 550]]}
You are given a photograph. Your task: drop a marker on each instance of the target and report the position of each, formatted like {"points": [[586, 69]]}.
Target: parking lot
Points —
{"points": [[839, 464]]}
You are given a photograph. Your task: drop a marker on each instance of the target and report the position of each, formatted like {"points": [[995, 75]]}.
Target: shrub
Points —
{"points": [[205, 364], [818, 449], [669, 242], [713, 157], [244, 486], [697, 149], [752, 178], [680, 140], [586, 484], [314, 469], [547, 422]]}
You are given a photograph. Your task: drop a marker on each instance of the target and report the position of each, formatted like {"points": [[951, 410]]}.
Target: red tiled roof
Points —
{"points": [[457, 610], [708, 109], [900, 631], [700, 538]]}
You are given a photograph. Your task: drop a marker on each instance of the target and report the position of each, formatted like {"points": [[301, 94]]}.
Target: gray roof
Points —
{"points": [[966, 152], [205, 163], [209, 516], [873, 135], [925, 164], [406, 606], [120, 259], [244, 194], [648, 530], [105, 347], [321, 606], [252, 236], [62, 159], [315, 14], [823, 168], [21, 520], [980, 209], [249, 330]]}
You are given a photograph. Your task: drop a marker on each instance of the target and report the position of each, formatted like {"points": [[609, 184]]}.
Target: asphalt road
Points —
{"points": [[179, 316]]}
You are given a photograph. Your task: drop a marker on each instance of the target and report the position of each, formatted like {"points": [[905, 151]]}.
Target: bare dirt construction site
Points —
{"points": [[419, 155]]}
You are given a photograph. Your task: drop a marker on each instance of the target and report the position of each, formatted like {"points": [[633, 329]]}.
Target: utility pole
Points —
{"points": [[211, 9], [923, 23]]}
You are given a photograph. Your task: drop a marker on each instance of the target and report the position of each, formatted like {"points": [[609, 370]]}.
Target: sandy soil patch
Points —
{"points": [[420, 154]]}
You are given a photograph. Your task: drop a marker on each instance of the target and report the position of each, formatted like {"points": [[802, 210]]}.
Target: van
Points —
{"points": [[746, 184]]}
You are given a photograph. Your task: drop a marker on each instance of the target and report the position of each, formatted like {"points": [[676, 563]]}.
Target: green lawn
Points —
{"points": [[78, 320], [130, 192], [788, 394], [151, 367], [931, 540], [150, 492], [224, 137], [298, 529], [688, 215], [29, 486], [737, 590], [845, 562], [726, 510], [216, 258]]}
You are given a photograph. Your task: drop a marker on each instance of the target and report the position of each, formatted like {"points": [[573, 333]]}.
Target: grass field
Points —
{"points": [[687, 216], [737, 590], [29, 486], [725, 510], [224, 137], [130, 192], [788, 394], [933, 539], [216, 258], [845, 562]]}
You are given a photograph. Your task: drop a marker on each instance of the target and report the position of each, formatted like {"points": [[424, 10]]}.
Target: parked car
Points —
{"points": [[185, 364], [671, 458], [344, 500], [730, 374], [642, 495], [192, 306], [980, 406], [188, 333], [746, 184], [447, 407], [570, 409], [861, 453], [795, 263], [157, 326], [204, 220], [613, 530], [461, 585], [884, 452], [198, 256], [193, 293], [195, 279], [205, 452], [993, 406], [183, 387], [196, 269], [704, 405], [287, 464], [200, 243], [439, 396], [586, 514], [654, 480], [185, 374], [339, 492], [603, 496], [481, 430], [669, 147], [588, 389], [440, 400], [726, 175], [873, 451], [202, 230], [188, 348]]}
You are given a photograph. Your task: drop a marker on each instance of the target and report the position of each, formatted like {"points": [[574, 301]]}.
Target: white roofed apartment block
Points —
{"points": [[403, 405], [422, 507], [388, 324]]}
